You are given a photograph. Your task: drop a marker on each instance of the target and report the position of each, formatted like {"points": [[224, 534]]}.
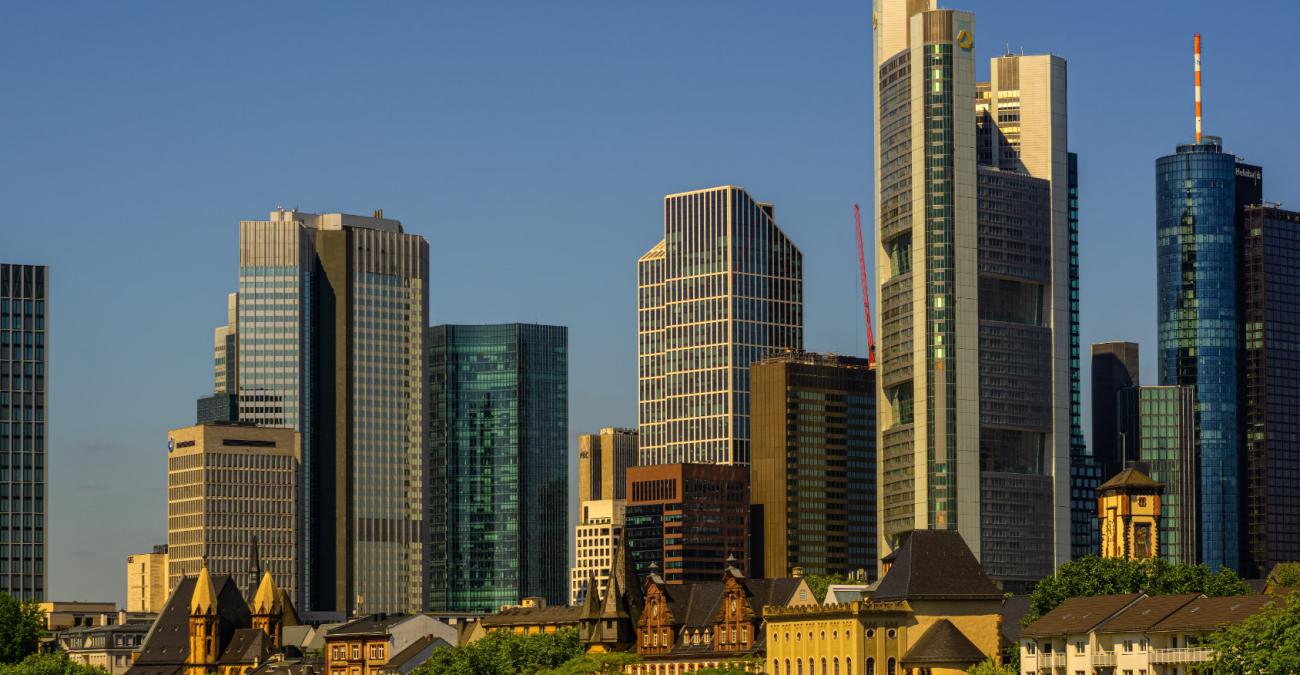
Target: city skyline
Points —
{"points": [[112, 422]]}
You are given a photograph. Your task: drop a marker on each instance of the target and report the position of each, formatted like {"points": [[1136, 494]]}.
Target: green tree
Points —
{"points": [[21, 627], [50, 664], [504, 653], [1267, 642], [990, 667], [1285, 575], [596, 664], [818, 583], [1108, 576]]}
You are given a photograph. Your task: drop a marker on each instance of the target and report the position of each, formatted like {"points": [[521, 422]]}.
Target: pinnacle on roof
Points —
{"points": [[204, 600], [267, 599]]}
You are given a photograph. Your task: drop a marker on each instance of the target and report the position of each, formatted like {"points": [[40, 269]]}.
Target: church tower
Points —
{"points": [[267, 612], [203, 625], [1129, 508]]}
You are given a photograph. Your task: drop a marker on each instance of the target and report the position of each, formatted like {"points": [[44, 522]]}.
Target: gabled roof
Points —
{"points": [[373, 625], [414, 651], [167, 645], [1129, 477], [1079, 615], [935, 565], [248, 646], [1207, 614], [696, 605], [1146, 613], [943, 644], [1014, 609]]}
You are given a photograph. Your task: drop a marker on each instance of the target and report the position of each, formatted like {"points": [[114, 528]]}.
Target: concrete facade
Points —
{"points": [[146, 581], [598, 535], [603, 460]]}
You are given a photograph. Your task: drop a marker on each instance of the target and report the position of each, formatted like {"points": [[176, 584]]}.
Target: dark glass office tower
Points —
{"points": [[1086, 475], [1115, 366], [1158, 425], [1200, 194], [1271, 392], [499, 427], [813, 476], [24, 292]]}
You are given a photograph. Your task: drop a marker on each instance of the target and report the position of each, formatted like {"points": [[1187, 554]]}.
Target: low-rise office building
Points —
{"points": [[146, 580], [934, 611], [384, 644], [112, 647]]}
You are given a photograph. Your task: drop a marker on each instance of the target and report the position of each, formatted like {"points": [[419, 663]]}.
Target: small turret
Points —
{"points": [[267, 612], [203, 626]]}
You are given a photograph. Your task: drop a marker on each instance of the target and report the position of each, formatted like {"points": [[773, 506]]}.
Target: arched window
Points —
{"points": [[787, 667], [776, 667], [798, 665], [891, 666], [871, 667], [848, 666], [835, 666], [824, 669]]}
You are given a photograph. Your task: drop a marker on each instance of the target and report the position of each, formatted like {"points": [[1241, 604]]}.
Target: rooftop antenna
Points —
{"points": [[1196, 59]]}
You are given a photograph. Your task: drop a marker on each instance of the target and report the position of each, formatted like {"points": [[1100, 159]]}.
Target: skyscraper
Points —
{"points": [[1158, 431], [598, 535], [223, 404], [813, 476], [1271, 396], [24, 293], [978, 376], [331, 317], [724, 288], [1115, 366], [232, 503], [498, 465], [603, 460], [1201, 192], [687, 522], [146, 581]]}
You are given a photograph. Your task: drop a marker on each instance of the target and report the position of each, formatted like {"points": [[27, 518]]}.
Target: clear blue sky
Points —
{"points": [[531, 143]]}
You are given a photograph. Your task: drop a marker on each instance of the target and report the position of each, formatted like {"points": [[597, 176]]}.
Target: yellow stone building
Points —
{"points": [[146, 581], [1129, 508], [935, 612]]}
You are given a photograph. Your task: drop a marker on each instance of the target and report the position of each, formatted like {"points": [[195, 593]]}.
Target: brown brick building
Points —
{"points": [[684, 521]]}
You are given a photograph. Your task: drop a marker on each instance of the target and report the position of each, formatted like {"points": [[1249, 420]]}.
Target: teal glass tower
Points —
{"points": [[1200, 192], [24, 292], [499, 397]]}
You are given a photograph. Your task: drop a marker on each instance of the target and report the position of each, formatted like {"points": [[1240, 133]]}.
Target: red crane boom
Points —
{"points": [[866, 298]]}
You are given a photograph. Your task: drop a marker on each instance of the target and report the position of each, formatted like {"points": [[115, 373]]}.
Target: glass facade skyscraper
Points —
{"points": [[1200, 192], [499, 405], [331, 316], [723, 289], [24, 391], [1158, 431], [1271, 396]]}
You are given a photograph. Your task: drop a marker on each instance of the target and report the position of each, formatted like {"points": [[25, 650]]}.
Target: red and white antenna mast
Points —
{"points": [[1196, 50]]}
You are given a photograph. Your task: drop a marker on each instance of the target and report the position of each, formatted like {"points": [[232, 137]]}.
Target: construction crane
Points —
{"points": [[866, 299]]}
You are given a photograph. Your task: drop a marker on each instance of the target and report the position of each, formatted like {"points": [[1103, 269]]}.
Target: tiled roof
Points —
{"points": [[1079, 615], [943, 644], [375, 624], [249, 645], [534, 616], [413, 651], [1206, 614], [1148, 611], [695, 605], [1129, 477], [935, 565], [1014, 610]]}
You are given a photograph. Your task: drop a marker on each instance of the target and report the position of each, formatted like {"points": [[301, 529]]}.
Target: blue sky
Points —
{"points": [[532, 144]]}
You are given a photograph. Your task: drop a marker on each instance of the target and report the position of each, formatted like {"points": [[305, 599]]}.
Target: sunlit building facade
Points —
{"points": [[498, 468], [723, 289], [332, 310]]}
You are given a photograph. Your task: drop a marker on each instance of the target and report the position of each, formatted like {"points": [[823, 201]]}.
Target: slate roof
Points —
{"points": [[413, 651], [1148, 611], [943, 644], [1207, 614], [935, 565], [1129, 477], [249, 645], [166, 647], [373, 625], [1079, 615], [694, 605], [1014, 610]]}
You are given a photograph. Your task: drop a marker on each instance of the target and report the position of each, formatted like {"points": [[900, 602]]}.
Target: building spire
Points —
{"points": [[1196, 60], [204, 600]]}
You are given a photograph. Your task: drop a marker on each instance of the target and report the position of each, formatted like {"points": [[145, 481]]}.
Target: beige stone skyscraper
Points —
{"points": [[332, 310], [225, 350], [603, 460], [973, 266], [723, 289], [146, 581], [232, 500], [598, 534]]}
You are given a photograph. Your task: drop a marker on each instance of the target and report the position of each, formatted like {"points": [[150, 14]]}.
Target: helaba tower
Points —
{"points": [[975, 269]]}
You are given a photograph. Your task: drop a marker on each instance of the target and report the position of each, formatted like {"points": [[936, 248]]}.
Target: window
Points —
{"points": [[356, 651], [1031, 647], [1078, 647], [1142, 646], [871, 667], [1128, 649], [891, 667]]}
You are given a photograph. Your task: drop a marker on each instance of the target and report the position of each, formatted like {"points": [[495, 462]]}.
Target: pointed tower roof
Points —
{"points": [[591, 599], [267, 599], [204, 600], [616, 602], [1131, 478]]}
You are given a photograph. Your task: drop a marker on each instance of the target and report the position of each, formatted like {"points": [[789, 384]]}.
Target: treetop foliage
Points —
{"points": [[1113, 576]]}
